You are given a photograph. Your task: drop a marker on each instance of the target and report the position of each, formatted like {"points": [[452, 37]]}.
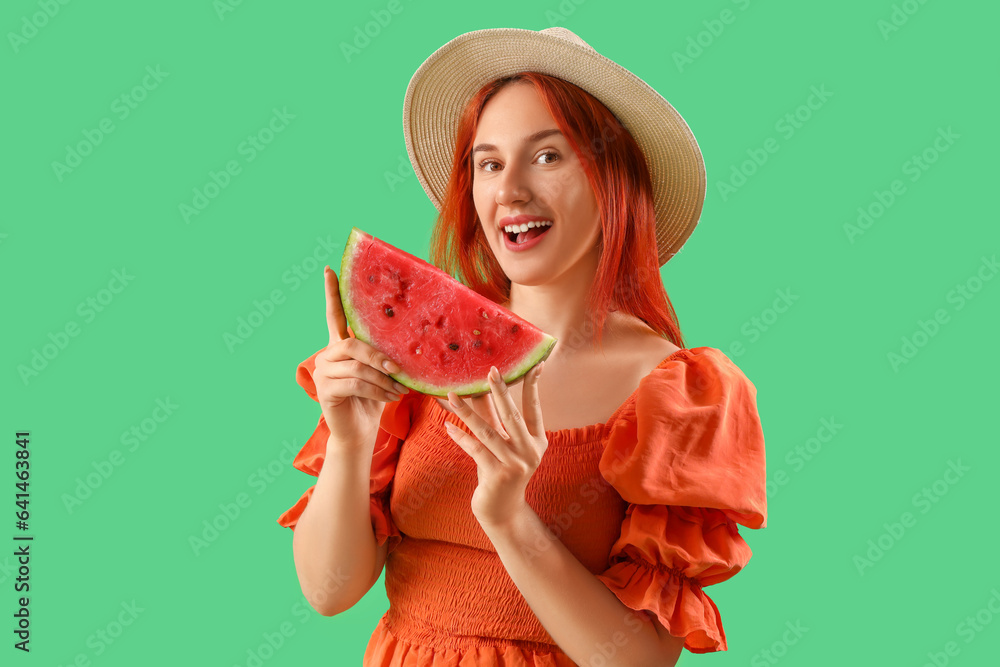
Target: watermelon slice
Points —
{"points": [[444, 336]]}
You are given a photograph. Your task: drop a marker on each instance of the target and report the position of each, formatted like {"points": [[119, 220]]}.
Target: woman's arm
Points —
{"points": [[581, 614], [336, 554]]}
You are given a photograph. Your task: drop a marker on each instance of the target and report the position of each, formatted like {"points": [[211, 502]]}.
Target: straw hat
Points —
{"points": [[447, 80]]}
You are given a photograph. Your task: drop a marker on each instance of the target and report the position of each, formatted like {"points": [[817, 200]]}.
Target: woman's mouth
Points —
{"points": [[519, 240]]}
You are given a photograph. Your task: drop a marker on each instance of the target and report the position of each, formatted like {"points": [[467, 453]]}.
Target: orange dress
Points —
{"points": [[648, 501]]}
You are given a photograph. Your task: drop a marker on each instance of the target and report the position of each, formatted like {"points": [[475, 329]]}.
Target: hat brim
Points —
{"points": [[447, 80]]}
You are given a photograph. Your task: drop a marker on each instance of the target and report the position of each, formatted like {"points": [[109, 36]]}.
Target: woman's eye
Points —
{"points": [[486, 163]]}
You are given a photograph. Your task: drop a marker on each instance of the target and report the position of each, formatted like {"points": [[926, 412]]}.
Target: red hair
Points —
{"points": [[628, 275]]}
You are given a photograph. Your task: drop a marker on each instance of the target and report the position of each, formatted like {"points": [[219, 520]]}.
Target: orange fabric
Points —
{"points": [[649, 502]]}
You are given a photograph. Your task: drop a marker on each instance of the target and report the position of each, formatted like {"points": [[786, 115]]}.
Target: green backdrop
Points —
{"points": [[170, 169]]}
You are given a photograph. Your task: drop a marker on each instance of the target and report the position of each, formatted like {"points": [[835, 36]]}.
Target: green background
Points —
{"points": [[163, 336]]}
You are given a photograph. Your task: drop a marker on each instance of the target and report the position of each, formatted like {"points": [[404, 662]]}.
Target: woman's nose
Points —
{"points": [[513, 187]]}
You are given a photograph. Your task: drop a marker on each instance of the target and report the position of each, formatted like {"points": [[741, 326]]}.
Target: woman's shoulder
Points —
{"points": [[646, 355], [651, 363], [691, 378], [638, 349], [691, 436]]}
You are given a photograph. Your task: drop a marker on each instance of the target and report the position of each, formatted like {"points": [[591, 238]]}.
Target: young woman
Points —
{"points": [[575, 517]]}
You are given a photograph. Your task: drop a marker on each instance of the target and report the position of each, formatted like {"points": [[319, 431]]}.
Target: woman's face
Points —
{"points": [[515, 174]]}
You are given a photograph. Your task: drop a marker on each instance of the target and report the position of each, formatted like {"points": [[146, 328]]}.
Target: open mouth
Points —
{"points": [[522, 237]]}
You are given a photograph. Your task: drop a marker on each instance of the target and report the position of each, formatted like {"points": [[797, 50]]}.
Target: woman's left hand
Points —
{"points": [[506, 453]]}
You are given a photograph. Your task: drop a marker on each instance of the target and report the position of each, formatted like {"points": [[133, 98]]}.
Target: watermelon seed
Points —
{"points": [[388, 310], [419, 350], [485, 315], [452, 346], [476, 332], [515, 328], [371, 279]]}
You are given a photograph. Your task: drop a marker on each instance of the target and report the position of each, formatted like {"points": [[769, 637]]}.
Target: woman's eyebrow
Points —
{"points": [[532, 138]]}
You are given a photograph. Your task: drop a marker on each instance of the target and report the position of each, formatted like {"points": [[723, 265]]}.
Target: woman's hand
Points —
{"points": [[507, 450], [352, 383]]}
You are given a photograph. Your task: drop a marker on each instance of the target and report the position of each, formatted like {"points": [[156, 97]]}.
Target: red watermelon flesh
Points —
{"points": [[443, 335]]}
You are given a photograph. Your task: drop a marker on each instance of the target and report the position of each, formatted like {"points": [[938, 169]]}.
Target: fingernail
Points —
{"points": [[494, 374], [390, 366]]}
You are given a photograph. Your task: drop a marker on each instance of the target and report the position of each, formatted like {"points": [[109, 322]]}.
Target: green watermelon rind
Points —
{"points": [[537, 354]]}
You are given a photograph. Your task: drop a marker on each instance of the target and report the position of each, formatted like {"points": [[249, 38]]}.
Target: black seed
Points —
{"points": [[452, 346], [371, 279], [388, 311], [515, 329]]}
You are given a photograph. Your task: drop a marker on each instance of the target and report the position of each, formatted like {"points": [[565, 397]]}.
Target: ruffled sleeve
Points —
{"points": [[689, 461], [393, 428]]}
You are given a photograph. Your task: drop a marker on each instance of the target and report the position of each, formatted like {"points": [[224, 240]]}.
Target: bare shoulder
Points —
{"points": [[641, 346], [661, 349]]}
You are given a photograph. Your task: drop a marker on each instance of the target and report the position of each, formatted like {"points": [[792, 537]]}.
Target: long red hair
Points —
{"points": [[628, 275]]}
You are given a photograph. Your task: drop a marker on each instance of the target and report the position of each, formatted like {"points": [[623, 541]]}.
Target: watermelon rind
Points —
{"points": [[513, 375]]}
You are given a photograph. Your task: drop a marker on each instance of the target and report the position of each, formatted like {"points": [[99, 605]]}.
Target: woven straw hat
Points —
{"points": [[447, 80]]}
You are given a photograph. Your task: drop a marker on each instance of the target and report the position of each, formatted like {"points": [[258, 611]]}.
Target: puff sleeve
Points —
{"points": [[689, 461], [393, 428]]}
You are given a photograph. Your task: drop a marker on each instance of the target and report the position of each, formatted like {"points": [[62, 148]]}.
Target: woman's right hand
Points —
{"points": [[351, 382]]}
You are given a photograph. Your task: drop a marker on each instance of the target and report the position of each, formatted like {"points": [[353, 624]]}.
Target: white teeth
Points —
{"points": [[526, 227]]}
